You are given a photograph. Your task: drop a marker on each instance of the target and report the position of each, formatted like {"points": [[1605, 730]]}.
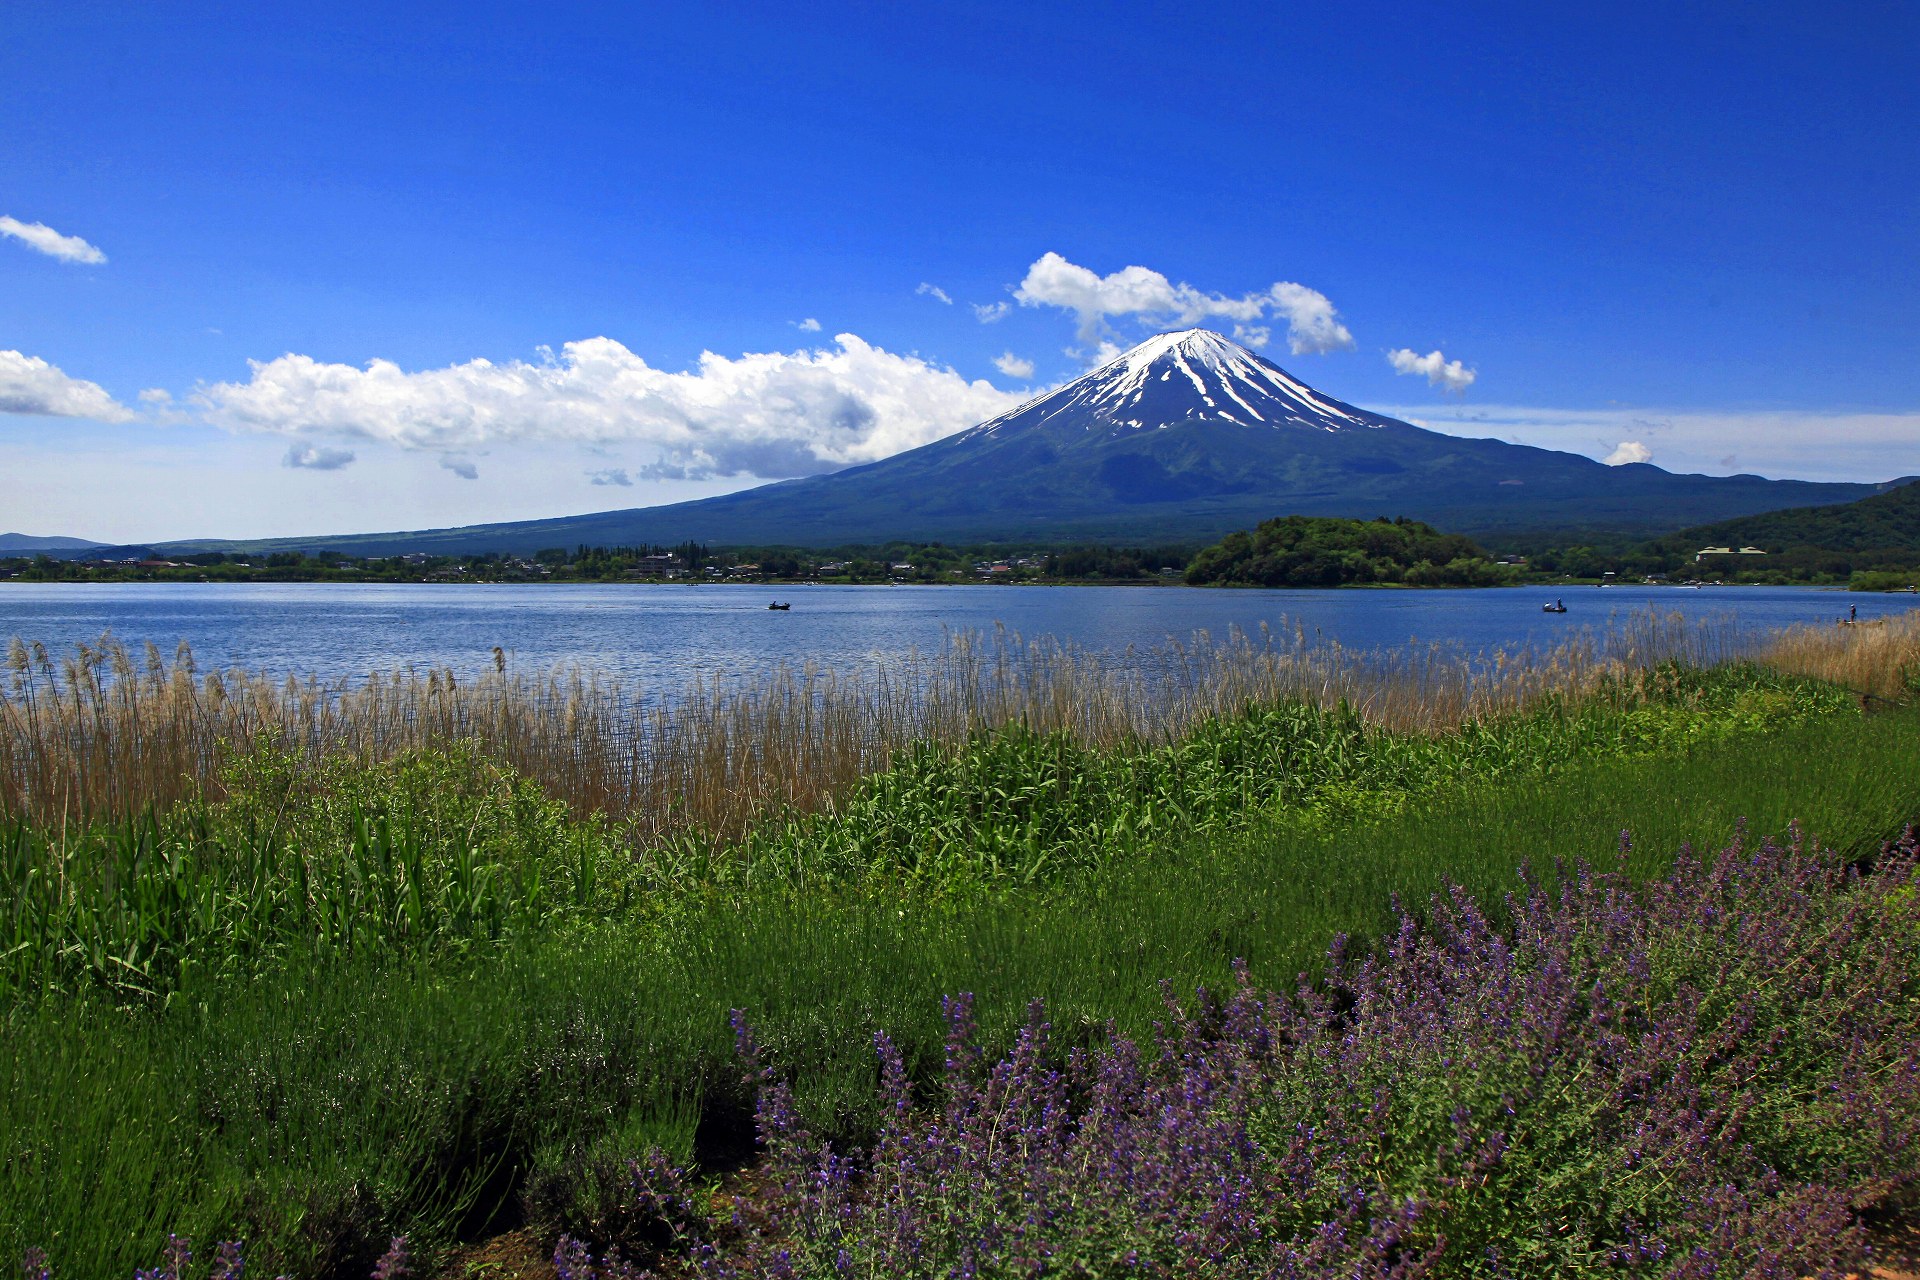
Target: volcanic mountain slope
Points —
{"points": [[1187, 436]]}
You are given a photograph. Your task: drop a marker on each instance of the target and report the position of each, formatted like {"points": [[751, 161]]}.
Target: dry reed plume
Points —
{"points": [[98, 734], [1879, 659]]}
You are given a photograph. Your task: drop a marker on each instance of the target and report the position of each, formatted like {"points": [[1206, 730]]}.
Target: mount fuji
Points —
{"points": [[1177, 379], [1185, 437]]}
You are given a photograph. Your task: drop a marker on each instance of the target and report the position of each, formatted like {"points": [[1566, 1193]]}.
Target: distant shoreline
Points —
{"points": [[348, 580]]}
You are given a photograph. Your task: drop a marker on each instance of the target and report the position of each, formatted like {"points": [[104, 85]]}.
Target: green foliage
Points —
{"points": [[1884, 579], [1014, 807], [354, 1001], [1110, 563], [319, 1107], [445, 850], [429, 851], [1313, 551]]}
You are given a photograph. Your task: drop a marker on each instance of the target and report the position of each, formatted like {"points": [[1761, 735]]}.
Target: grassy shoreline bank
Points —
{"points": [[446, 1072]]}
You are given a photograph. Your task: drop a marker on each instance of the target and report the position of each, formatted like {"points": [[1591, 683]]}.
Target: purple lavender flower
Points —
{"points": [[395, 1262], [179, 1254], [573, 1260], [227, 1262], [1689, 1077]]}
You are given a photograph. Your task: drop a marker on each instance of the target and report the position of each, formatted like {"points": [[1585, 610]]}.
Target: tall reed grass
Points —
{"points": [[104, 733], [1877, 659], [444, 849]]}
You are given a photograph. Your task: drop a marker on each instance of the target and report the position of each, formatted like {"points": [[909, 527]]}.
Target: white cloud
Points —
{"points": [[1254, 335], [611, 476], [316, 458], [988, 312], [809, 325], [934, 291], [1013, 366], [29, 384], [462, 467], [1439, 371], [1805, 444], [156, 395], [770, 415], [1313, 325], [38, 235], [1628, 451]]}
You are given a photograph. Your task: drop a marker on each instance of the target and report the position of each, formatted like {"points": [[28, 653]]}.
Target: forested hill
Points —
{"points": [[1323, 551], [1884, 522]]}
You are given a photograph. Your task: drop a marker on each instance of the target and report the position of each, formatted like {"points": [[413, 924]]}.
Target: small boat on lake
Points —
{"points": [[783, 607], [1558, 606]]}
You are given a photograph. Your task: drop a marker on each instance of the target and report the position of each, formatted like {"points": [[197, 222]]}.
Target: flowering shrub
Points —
{"points": [[1698, 1077], [228, 1263], [177, 1264]]}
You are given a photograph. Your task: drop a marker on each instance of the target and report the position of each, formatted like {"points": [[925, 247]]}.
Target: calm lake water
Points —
{"points": [[663, 634]]}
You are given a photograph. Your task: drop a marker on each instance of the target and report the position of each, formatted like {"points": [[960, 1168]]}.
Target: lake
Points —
{"points": [[664, 633]]}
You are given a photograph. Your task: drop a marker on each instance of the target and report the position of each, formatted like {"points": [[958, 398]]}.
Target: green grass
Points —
{"points": [[429, 852], [446, 851], [320, 1105], [1020, 808]]}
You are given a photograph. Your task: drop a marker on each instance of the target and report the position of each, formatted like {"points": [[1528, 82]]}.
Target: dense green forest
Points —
{"points": [[1325, 551]]}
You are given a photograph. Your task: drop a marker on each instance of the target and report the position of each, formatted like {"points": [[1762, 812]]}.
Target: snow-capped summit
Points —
{"points": [[1192, 375]]}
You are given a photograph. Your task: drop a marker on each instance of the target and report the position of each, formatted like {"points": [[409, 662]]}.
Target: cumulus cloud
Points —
{"points": [[156, 395], [1628, 451], [1449, 375], [40, 236], [988, 312], [29, 384], [809, 325], [933, 291], [1013, 366], [611, 476], [769, 415], [306, 457], [1313, 325], [1253, 335], [462, 467]]}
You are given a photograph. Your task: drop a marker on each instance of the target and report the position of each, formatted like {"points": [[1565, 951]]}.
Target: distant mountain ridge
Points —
{"points": [[29, 544], [1185, 437]]}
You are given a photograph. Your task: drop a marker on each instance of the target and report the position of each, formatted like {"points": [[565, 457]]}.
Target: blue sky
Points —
{"points": [[1690, 230]]}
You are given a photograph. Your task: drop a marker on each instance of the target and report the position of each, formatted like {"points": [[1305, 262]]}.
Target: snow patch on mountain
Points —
{"points": [[1192, 375]]}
